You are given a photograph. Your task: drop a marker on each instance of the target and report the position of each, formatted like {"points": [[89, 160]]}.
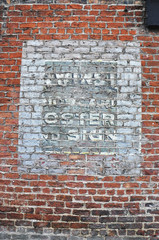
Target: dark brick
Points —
{"points": [[84, 232], [35, 230], [152, 225], [116, 226], [145, 232], [133, 226], [122, 232], [131, 232], [6, 223], [41, 224], [58, 238], [153, 211], [23, 223], [100, 212], [96, 226], [60, 225], [88, 219], [144, 219], [38, 237], [70, 218], [7, 209], [94, 233], [126, 219], [117, 212], [137, 198], [95, 238], [107, 219], [149, 204], [103, 233], [81, 212]]}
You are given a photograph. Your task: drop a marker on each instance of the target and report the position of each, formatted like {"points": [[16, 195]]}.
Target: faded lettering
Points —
{"points": [[80, 106]]}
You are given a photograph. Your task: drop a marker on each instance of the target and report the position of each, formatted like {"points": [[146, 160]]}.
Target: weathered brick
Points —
{"points": [[58, 238], [5, 236], [19, 237]]}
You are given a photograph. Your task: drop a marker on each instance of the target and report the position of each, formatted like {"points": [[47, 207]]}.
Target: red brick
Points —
{"points": [[45, 197], [107, 13], [78, 225], [64, 198], [44, 210], [6, 223], [102, 7], [65, 178], [7, 209], [155, 179], [23, 7], [60, 225], [74, 184], [44, 25], [122, 179], [78, 12], [56, 204], [2, 215], [101, 199], [97, 25], [109, 37], [46, 177], [126, 38], [120, 199], [74, 6], [94, 185], [40, 7], [25, 37], [112, 185], [87, 18], [14, 216], [74, 205], [60, 36], [78, 171], [12, 175], [82, 198], [114, 25], [86, 178], [38, 183], [93, 205], [33, 216], [57, 6], [29, 177], [95, 36], [63, 13], [131, 185], [79, 24]]}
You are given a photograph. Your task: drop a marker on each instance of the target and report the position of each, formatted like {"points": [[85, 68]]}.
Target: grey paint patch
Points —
{"points": [[40, 92]]}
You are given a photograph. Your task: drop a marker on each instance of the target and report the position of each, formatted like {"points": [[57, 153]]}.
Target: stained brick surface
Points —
{"points": [[71, 195]]}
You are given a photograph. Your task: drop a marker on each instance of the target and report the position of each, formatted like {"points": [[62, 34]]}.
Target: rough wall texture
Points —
{"points": [[79, 121], [90, 105]]}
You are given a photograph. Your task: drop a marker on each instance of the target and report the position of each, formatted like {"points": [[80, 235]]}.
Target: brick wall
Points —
{"points": [[79, 121]]}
